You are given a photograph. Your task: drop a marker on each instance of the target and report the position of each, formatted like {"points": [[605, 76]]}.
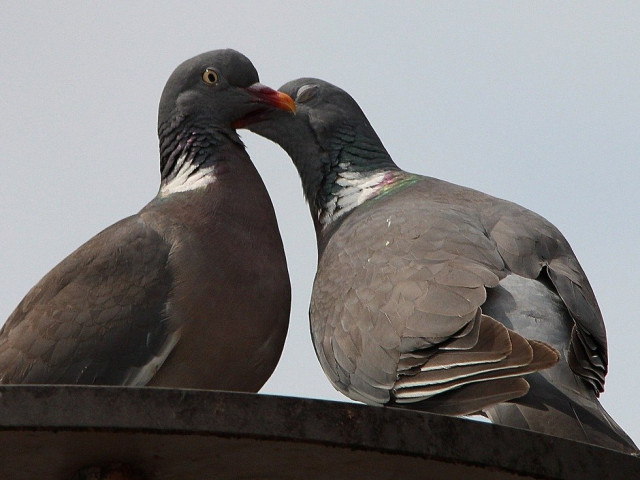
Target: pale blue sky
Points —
{"points": [[538, 103]]}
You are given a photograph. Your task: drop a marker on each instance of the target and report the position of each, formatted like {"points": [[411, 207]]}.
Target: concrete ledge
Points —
{"points": [[50, 432]]}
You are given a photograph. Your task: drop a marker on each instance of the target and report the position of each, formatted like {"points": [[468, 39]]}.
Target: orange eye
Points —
{"points": [[210, 76]]}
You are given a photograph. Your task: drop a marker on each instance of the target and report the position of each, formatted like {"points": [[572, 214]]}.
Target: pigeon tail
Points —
{"points": [[559, 402], [548, 409]]}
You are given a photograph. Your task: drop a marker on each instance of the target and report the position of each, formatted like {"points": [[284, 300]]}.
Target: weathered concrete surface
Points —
{"points": [[49, 432]]}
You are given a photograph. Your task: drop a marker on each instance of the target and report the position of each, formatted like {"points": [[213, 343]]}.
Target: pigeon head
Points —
{"points": [[215, 89], [327, 120], [202, 100], [329, 139]]}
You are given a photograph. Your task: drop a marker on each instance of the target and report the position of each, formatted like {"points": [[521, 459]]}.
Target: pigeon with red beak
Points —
{"points": [[192, 291]]}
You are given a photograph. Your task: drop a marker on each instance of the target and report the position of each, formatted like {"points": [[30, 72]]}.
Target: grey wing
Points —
{"points": [[99, 317], [529, 243], [396, 305]]}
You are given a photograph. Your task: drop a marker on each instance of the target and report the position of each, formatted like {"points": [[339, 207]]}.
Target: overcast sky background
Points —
{"points": [[538, 103]]}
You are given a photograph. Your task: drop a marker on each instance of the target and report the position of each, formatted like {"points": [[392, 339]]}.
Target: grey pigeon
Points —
{"points": [[192, 291], [417, 279]]}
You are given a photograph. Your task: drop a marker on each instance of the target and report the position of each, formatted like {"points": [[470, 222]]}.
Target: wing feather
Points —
{"points": [[99, 317]]}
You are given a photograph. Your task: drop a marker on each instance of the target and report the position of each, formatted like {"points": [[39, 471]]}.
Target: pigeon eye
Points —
{"points": [[306, 92], [210, 76]]}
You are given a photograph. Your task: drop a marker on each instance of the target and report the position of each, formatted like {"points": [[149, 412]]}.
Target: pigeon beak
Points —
{"points": [[264, 94], [264, 97]]}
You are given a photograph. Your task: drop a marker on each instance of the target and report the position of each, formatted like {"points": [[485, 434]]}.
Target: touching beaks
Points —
{"points": [[272, 97], [265, 97]]}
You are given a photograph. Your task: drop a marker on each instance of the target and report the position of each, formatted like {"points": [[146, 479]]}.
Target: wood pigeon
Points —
{"points": [[192, 291], [433, 296]]}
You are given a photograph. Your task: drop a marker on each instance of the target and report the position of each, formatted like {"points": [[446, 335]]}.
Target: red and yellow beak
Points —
{"points": [[265, 99], [269, 96]]}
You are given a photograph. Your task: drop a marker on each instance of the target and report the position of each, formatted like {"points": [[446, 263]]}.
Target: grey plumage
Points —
{"points": [[415, 283], [192, 291], [559, 401]]}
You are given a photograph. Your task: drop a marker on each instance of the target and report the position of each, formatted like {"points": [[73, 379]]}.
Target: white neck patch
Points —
{"points": [[186, 180], [355, 189]]}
